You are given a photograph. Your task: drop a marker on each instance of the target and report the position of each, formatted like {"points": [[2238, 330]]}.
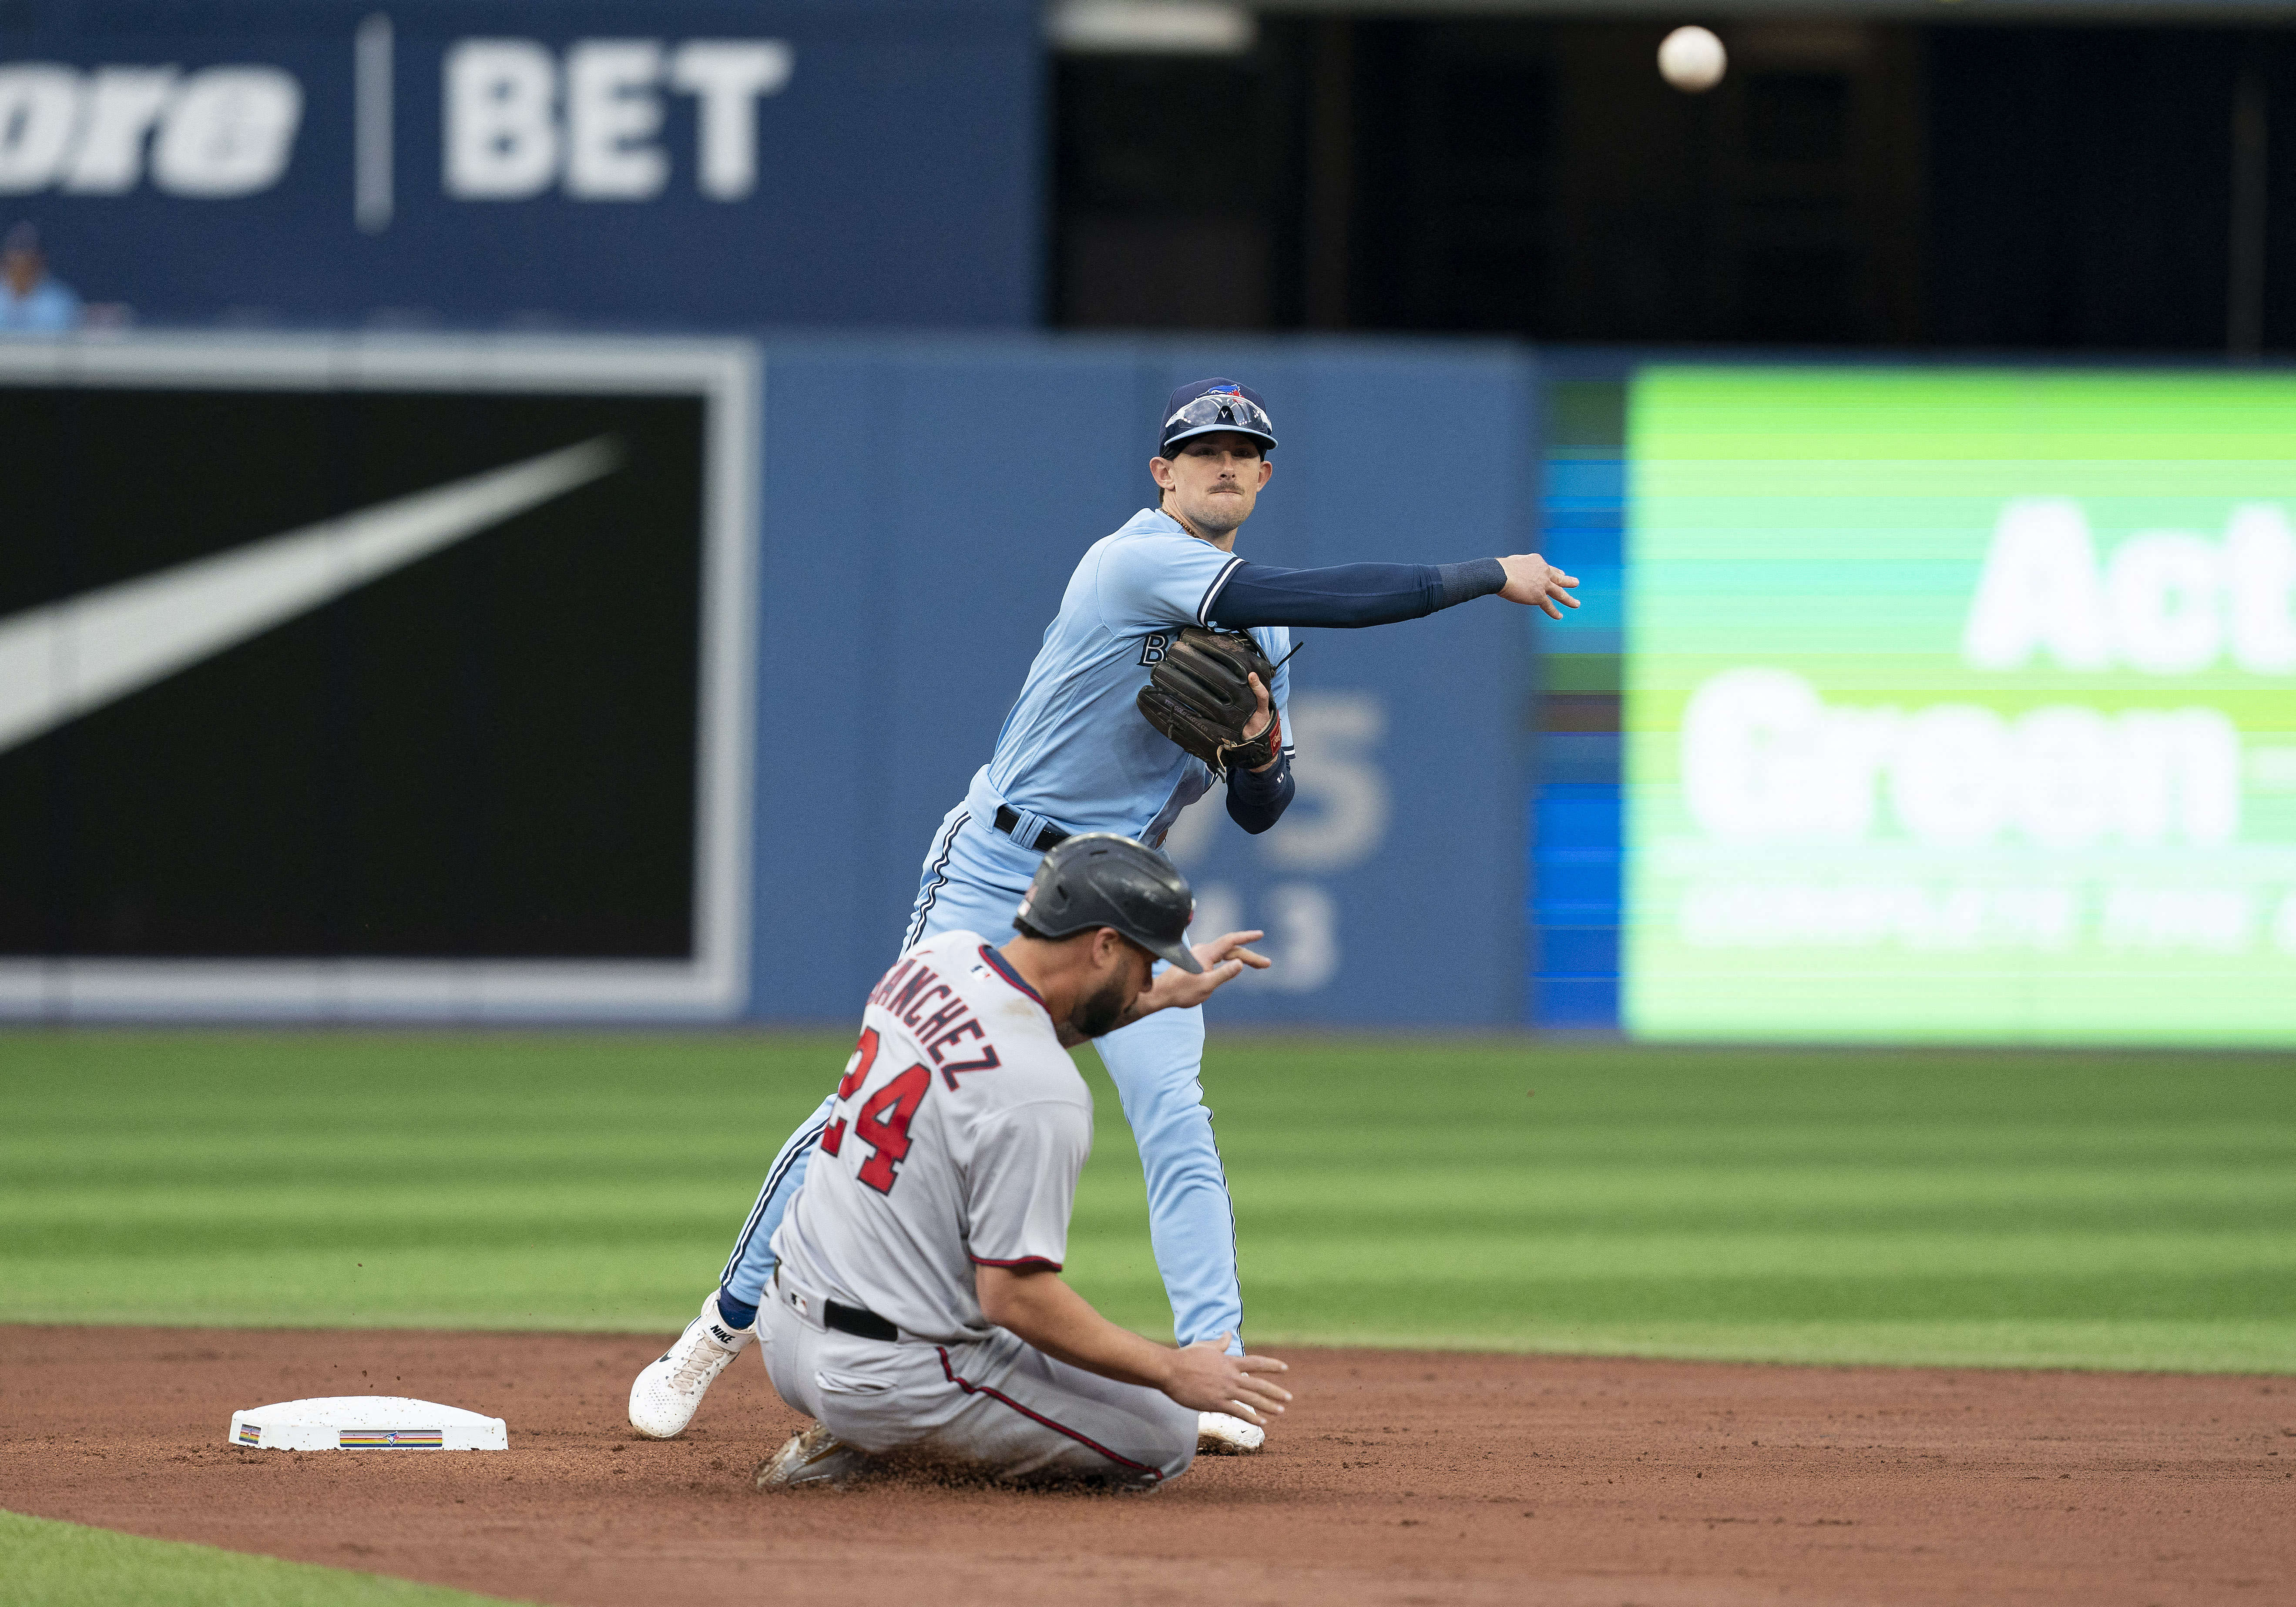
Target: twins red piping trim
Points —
{"points": [[1003, 968], [1155, 1475], [1023, 1261]]}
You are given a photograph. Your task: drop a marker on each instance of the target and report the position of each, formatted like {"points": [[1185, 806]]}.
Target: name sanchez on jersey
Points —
{"points": [[912, 988], [954, 1141]]}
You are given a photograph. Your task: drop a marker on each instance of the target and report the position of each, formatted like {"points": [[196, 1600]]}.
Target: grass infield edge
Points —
{"points": [[48, 1563]]}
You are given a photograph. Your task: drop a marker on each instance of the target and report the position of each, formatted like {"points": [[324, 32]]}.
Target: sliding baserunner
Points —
{"points": [[916, 1306]]}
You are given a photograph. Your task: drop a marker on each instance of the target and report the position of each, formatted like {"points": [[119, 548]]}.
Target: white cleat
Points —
{"points": [[813, 1455], [1217, 1434], [664, 1397]]}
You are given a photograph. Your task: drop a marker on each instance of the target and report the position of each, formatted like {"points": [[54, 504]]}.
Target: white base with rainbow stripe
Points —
{"points": [[366, 1423]]}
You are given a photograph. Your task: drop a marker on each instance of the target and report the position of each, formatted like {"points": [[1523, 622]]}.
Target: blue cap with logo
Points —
{"points": [[1203, 405]]}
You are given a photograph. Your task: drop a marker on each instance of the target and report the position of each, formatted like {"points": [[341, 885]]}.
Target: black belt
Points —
{"points": [[1047, 838], [858, 1321]]}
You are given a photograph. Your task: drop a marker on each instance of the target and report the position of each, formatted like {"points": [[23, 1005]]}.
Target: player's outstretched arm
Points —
{"points": [[1350, 595], [1039, 1307]]}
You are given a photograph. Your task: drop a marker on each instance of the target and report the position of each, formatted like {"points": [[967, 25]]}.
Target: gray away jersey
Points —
{"points": [[1076, 748], [959, 1129]]}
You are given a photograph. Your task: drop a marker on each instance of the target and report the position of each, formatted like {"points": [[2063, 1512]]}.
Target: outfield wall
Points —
{"points": [[922, 508], [533, 679], [530, 679]]}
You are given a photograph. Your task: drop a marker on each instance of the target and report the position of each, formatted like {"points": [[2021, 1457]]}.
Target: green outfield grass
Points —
{"points": [[48, 1564], [1959, 1207]]}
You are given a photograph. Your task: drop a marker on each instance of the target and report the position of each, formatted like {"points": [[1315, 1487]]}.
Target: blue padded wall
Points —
{"points": [[923, 507]]}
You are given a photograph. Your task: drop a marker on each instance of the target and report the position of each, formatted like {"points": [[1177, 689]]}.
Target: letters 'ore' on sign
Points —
{"points": [[664, 166]]}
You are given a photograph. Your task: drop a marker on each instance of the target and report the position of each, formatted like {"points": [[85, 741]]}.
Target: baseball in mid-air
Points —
{"points": [[1691, 60]]}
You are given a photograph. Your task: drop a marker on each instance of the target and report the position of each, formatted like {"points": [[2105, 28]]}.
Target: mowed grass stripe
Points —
{"points": [[45, 1564], [2102, 1209]]}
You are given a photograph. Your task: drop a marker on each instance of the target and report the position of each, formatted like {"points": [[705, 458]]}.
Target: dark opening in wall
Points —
{"points": [[1846, 183], [1169, 174]]}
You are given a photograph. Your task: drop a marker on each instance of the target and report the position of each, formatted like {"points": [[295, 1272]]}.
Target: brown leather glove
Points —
{"points": [[1199, 694]]}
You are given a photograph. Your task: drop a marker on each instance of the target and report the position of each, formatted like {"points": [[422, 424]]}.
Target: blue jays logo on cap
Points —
{"points": [[1205, 405]]}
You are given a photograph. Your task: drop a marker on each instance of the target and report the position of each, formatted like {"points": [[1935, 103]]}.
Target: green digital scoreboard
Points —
{"points": [[1961, 705]]}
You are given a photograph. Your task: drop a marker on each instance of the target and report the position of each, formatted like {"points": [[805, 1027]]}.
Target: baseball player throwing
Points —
{"points": [[1162, 675], [916, 1306]]}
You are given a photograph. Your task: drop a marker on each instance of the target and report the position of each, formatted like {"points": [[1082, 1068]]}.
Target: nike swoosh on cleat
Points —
{"points": [[63, 659]]}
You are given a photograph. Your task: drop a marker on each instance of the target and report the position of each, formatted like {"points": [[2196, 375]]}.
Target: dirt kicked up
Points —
{"points": [[1399, 1478]]}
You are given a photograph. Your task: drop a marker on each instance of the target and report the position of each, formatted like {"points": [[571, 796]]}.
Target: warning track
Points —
{"points": [[1399, 1478]]}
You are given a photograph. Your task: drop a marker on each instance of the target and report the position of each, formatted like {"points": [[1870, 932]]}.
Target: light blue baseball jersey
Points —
{"points": [[1075, 749]]}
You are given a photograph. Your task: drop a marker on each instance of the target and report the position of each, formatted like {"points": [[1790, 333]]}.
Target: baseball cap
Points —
{"points": [[1100, 879], [1203, 405]]}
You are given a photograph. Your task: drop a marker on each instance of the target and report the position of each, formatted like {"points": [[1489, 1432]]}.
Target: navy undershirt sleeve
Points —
{"points": [[1258, 801], [1349, 594]]}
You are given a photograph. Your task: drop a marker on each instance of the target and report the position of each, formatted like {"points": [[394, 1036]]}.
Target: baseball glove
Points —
{"points": [[1198, 696]]}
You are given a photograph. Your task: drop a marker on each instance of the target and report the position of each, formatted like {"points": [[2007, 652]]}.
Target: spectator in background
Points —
{"points": [[31, 300]]}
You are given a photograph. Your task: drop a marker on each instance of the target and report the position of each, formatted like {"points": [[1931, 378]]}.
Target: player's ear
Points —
{"points": [[1159, 470], [1267, 468], [1107, 947]]}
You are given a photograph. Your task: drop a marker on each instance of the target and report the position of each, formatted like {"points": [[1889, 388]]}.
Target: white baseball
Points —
{"points": [[1691, 60]]}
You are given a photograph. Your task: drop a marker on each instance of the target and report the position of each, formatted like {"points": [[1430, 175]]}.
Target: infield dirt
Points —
{"points": [[1398, 1478]]}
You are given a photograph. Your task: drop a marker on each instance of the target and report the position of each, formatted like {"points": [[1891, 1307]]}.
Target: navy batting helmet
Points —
{"points": [[1100, 879]]}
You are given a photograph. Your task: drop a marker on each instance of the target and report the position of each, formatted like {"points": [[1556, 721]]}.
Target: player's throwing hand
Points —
{"points": [[1531, 580]]}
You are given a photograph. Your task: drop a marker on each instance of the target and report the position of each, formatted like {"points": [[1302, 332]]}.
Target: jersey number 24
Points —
{"points": [[882, 1121]]}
